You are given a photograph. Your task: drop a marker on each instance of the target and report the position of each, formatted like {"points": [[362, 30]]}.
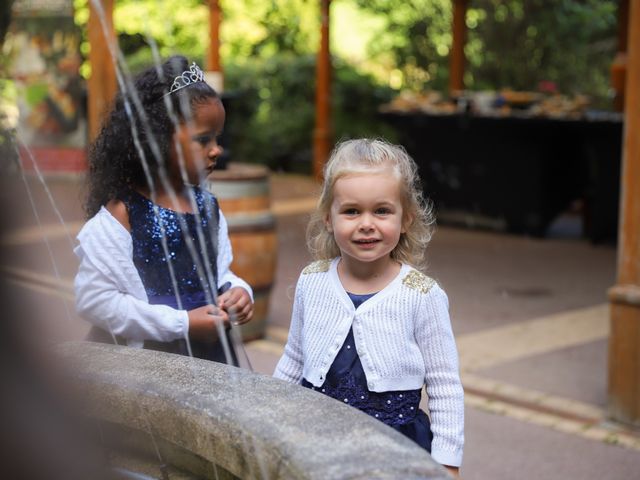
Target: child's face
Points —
{"points": [[198, 142], [366, 216]]}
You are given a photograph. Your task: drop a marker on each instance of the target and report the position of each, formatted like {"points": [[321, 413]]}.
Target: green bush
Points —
{"points": [[272, 109]]}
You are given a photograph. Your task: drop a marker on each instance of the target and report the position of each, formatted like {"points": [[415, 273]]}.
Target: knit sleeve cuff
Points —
{"points": [[183, 324], [446, 457]]}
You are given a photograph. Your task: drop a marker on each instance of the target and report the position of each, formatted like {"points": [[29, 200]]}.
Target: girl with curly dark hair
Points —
{"points": [[155, 252]]}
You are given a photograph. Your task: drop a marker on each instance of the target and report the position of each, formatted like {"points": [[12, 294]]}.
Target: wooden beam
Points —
{"points": [[624, 340], [102, 85], [215, 17], [322, 132], [456, 58]]}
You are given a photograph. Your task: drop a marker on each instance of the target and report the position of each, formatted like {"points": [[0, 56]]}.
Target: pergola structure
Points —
{"points": [[624, 297]]}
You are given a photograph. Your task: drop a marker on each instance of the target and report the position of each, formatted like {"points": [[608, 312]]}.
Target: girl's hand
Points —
{"points": [[203, 322], [237, 303], [454, 471]]}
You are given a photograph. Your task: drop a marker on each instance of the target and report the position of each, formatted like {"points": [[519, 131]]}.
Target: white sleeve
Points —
{"points": [[444, 388], [225, 257], [109, 291], [290, 366]]}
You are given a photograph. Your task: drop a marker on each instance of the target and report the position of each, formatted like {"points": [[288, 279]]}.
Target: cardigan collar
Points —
{"points": [[341, 293]]}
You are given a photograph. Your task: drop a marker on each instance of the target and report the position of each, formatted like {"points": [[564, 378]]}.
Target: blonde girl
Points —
{"points": [[368, 327]]}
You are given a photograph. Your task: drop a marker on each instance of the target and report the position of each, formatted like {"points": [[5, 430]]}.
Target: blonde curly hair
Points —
{"points": [[373, 156]]}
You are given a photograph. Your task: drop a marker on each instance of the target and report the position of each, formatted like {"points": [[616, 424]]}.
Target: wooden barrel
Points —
{"points": [[242, 191]]}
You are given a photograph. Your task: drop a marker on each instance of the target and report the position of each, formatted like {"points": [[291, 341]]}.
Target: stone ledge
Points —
{"points": [[251, 425]]}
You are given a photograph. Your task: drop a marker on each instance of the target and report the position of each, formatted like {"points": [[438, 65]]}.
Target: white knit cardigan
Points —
{"points": [[402, 335], [110, 293]]}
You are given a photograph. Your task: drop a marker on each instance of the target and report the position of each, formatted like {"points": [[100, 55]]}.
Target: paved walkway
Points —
{"points": [[530, 318]]}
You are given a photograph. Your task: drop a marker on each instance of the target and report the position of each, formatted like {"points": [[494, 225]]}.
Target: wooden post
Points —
{"points": [[215, 16], [456, 58], [213, 74], [624, 297], [619, 65], [322, 132], [102, 84]]}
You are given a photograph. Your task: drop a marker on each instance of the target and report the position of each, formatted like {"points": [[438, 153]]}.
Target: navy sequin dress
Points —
{"points": [[184, 233], [347, 383]]}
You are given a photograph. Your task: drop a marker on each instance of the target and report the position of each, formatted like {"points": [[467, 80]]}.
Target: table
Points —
{"points": [[517, 173]]}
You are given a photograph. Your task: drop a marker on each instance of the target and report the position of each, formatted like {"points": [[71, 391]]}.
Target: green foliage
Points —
{"points": [[511, 43], [268, 52], [519, 43], [356, 100], [8, 96], [169, 26], [417, 35], [250, 28], [272, 113], [271, 118], [174, 25], [258, 28]]}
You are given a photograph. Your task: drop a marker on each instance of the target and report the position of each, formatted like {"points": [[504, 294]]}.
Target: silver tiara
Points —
{"points": [[186, 78]]}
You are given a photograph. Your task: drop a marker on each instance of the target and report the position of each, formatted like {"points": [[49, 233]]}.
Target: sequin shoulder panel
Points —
{"points": [[418, 281], [317, 267]]}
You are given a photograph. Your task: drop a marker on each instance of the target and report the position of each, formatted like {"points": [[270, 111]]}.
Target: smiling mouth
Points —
{"points": [[366, 241]]}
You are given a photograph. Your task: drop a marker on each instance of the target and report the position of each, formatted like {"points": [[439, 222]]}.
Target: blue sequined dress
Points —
{"points": [[347, 383], [191, 243]]}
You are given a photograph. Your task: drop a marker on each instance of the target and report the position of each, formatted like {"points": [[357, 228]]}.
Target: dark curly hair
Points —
{"points": [[140, 128]]}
